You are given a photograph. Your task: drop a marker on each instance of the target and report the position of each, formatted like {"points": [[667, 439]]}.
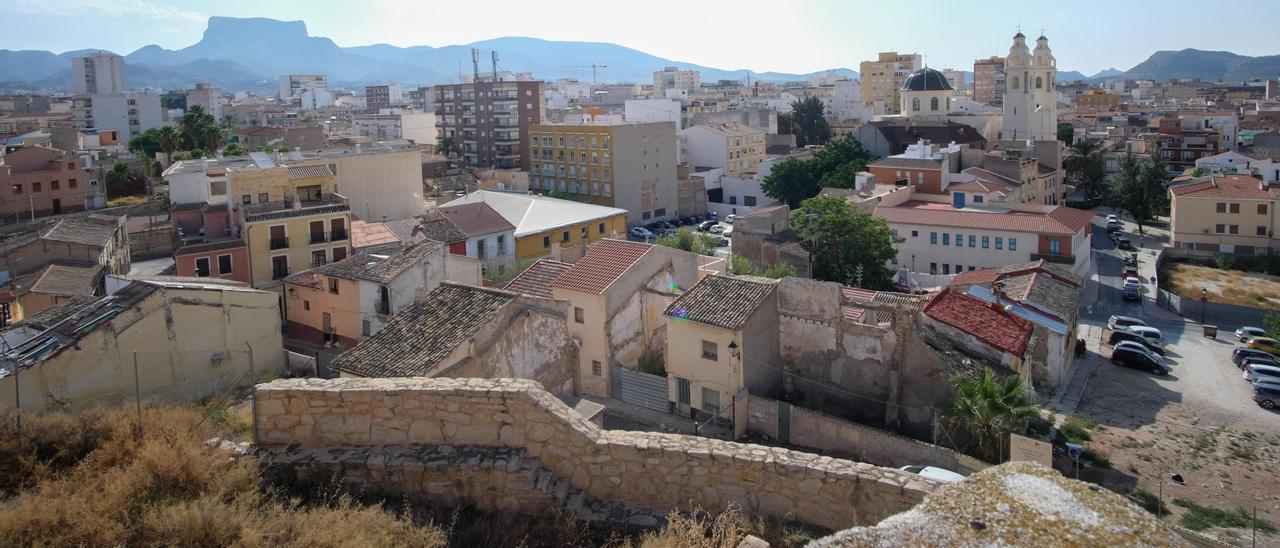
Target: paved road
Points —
{"points": [[1203, 376]]}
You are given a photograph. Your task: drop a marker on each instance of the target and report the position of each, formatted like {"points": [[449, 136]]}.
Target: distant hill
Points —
{"points": [[1206, 65], [260, 49], [1066, 76], [1107, 73]]}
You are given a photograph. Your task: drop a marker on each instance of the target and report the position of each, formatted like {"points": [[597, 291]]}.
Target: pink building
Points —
{"points": [[38, 181]]}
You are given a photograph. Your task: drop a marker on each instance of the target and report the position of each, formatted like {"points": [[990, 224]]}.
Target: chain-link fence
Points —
{"points": [[73, 380]]}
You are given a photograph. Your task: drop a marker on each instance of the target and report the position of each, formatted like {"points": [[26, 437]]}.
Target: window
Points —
{"points": [[263, 198], [915, 103], [600, 229], [682, 391], [55, 185], [1013, 244], [999, 242], [71, 183], [749, 201], [959, 240], [584, 232], [365, 328], [246, 199], [578, 315], [596, 368], [959, 268], [564, 236], [306, 305], [318, 258], [986, 242], [1235, 208], [660, 212], [933, 238], [709, 351], [339, 253], [1055, 246], [946, 268], [1220, 228], [1013, 83], [977, 199], [973, 241], [1222, 207], [933, 268], [933, 104], [546, 241], [1039, 82], [202, 267], [333, 285], [1233, 229], [224, 265], [711, 401], [915, 234], [946, 238], [35, 187]]}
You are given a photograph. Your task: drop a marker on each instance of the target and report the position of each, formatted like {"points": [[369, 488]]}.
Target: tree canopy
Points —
{"points": [[1139, 188], [1086, 168], [809, 122], [987, 409], [846, 246], [1066, 133], [201, 131], [795, 180]]}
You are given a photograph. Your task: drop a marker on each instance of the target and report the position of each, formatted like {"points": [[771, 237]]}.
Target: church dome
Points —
{"points": [[926, 79]]}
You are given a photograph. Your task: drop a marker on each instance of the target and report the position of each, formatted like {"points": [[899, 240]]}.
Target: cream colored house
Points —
{"points": [[737, 148], [192, 339], [722, 338], [1224, 214]]}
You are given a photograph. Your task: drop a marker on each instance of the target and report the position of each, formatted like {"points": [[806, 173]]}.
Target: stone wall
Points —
{"points": [[832, 436], [653, 470]]}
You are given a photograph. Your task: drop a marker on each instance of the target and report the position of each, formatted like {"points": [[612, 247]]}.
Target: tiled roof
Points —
{"points": [[1044, 291], [1224, 186], [603, 264], [308, 172], [1002, 331], [1060, 271], [415, 340], [537, 279], [1058, 220], [722, 301], [82, 231], [983, 276], [985, 181], [365, 234], [404, 230], [67, 280], [290, 213], [476, 219], [435, 226], [374, 268]]}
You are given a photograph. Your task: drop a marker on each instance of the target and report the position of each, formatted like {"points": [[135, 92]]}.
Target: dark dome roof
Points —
{"points": [[926, 79]]}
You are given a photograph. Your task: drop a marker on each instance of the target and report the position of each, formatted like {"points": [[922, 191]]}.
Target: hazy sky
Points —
{"points": [[787, 35]]}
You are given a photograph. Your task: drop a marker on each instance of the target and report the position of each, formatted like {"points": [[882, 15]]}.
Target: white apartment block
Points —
{"points": [[208, 98], [97, 73], [127, 113], [293, 84]]}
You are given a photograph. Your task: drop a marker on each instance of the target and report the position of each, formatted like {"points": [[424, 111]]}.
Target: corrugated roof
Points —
{"points": [[1058, 220], [604, 263], [722, 301], [537, 279]]}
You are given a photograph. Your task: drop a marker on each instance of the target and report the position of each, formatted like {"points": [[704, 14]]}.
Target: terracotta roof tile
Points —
{"points": [[603, 264], [537, 279], [722, 301], [1002, 331], [365, 234], [1224, 186], [1058, 220], [984, 276]]}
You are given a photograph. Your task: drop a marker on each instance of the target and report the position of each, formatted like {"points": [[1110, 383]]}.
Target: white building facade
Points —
{"points": [[1030, 95]]}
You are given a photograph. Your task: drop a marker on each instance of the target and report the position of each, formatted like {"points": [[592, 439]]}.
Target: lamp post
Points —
{"points": [[1204, 303]]}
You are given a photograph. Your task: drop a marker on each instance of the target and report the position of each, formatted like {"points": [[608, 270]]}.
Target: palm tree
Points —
{"points": [[211, 137], [446, 145], [1085, 166], [985, 409], [170, 140]]}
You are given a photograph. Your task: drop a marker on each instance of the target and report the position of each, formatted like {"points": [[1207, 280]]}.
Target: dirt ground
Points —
{"points": [[1225, 286]]}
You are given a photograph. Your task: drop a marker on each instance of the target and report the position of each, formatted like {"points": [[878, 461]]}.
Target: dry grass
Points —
{"points": [[132, 200], [1225, 286]]}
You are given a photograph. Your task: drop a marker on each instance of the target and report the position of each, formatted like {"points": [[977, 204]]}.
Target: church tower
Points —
{"points": [[1030, 95]]}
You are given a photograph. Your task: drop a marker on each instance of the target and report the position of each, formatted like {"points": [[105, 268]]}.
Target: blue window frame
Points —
{"points": [[986, 242], [933, 238], [973, 241], [1013, 244], [946, 238], [999, 242], [1054, 247], [959, 240]]}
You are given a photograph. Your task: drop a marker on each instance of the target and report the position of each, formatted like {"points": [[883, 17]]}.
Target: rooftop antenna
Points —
{"points": [[494, 56], [475, 64]]}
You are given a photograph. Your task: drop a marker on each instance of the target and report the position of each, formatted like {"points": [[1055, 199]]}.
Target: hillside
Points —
{"points": [[1206, 65]]}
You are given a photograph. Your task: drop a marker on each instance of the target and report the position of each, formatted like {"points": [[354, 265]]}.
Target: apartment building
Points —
{"points": [[37, 181], [126, 113], [97, 73], [688, 81], [382, 96], [292, 85], [208, 98], [1224, 214], [488, 121], [882, 78], [627, 166], [988, 81], [736, 148]]}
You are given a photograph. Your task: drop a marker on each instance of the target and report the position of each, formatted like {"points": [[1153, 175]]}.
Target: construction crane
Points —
{"points": [[593, 68]]}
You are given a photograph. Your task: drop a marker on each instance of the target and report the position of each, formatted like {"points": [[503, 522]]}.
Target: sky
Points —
{"points": [[787, 36]]}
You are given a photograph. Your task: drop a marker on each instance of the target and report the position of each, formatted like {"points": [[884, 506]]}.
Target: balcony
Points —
{"points": [[279, 243], [338, 235], [293, 206], [1054, 258], [317, 238]]}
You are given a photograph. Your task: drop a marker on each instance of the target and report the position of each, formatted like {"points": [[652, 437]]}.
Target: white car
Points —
{"points": [[641, 232], [1245, 332], [1151, 334], [1123, 321], [1132, 280], [933, 472], [1262, 373], [1113, 217], [716, 229], [731, 218]]}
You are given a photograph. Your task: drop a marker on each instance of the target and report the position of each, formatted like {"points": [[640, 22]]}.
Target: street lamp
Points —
{"points": [[1204, 303]]}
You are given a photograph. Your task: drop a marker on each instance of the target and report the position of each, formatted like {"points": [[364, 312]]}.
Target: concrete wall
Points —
{"points": [[663, 471]]}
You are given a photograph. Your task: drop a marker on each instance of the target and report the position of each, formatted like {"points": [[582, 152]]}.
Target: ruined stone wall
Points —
{"points": [[654, 470], [530, 340]]}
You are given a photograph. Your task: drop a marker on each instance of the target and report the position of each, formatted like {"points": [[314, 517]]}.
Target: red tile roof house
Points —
{"points": [[980, 329], [490, 237], [942, 239]]}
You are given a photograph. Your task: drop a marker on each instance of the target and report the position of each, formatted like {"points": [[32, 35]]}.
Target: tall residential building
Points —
{"points": [[735, 148], [955, 78], [208, 98], [882, 78], [100, 72], [382, 96], [988, 81], [488, 122], [627, 166], [674, 78], [127, 113], [293, 84], [1030, 96]]}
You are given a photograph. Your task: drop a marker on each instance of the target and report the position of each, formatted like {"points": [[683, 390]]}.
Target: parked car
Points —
{"points": [[1257, 373], [1122, 335], [1266, 394], [1123, 321], [1114, 233], [641, 232], [1132, 280], [1131, 293], [933, 472], [705, 226], [1130, 271], [716, 229], [1242, 353], [1244, 333], [1131, 259], [1153, 335], [1265, 344], [1125, 244], [1257, 360], [1135, 345], [1113, 218], [1128, 357], [732, 218]]}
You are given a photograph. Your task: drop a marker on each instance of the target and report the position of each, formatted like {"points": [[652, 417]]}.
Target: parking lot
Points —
{"points": [[1199, 421]]}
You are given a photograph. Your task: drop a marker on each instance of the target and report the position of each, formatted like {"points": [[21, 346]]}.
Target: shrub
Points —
{"points": [[1076, 429], [1199, 518]]}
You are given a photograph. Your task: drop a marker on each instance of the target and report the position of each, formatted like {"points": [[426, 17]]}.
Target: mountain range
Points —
{"points": [[249, 53]]}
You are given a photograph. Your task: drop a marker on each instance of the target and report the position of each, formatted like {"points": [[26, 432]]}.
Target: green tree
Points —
{"points": [[845, 246], [740, 265], [1086, 168], [122, 181], [688, 240], [169, 139], [1139, 189], [779, 270], [198, 129], [794, 180], [809, 121], [173, 99], [447, 145], [786, 123], [145, 143], [1066, 133], [986, 409], [234, 149], [1271, 322]]}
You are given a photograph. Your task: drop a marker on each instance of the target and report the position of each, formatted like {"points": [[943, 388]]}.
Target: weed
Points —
{"points": [[1099, 457], [1075, 429], [1200, 518], [1148, 501]]}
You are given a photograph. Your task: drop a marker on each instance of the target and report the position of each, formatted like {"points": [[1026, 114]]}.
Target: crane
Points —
{"points": [[593, 68]]}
